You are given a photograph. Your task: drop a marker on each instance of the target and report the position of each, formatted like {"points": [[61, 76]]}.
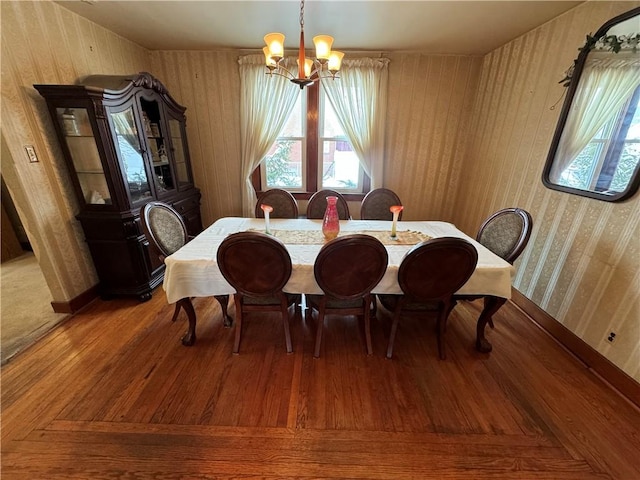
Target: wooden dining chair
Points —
{"points": [[347, 269], [429, 275], [166, 232], [284, 204], [318, 204], [258, 267], [506, 232], [376, 204]]}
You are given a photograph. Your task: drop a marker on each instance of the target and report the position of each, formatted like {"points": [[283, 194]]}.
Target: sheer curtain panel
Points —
{"points": [[266, 101], [359, 98]]}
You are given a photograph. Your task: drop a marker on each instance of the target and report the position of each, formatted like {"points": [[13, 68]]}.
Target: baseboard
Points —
{"points": [[76, 303], [594, 360]]}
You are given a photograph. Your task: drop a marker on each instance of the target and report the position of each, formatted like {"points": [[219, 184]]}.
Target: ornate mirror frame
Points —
{"points": [[573, 82]]}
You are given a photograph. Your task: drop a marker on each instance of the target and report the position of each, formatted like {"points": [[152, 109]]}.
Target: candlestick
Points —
{"points": [[266, 209], [395, 209]]}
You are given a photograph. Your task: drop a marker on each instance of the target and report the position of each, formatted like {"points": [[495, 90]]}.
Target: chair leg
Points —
{"points": [[176, 311], [394, 329], [285, 319], [319, 329], [367, 326], [442, 322], [238, 322]]}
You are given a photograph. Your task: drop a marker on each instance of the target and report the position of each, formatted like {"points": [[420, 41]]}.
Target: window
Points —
{"points": [[312, 152], [340, 168], [284, 165]]}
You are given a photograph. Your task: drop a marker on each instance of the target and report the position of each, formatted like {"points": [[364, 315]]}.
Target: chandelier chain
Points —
{"points": [[302, 14]]}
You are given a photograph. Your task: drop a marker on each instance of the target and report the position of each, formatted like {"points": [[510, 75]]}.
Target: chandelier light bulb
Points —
{"points": [[275, 43], [323, 45], [335, 61]]}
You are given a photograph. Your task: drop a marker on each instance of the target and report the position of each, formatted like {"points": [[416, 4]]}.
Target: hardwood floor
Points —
{"points": [[112, 393]]}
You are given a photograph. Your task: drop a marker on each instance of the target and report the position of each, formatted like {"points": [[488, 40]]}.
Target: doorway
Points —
{"points": [[25, 299]]}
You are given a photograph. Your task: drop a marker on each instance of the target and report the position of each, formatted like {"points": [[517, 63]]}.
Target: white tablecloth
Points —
{"points": [[193, 271]]}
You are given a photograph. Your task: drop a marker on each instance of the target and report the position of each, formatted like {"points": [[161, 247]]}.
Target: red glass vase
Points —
{"points": [[331, 221]]}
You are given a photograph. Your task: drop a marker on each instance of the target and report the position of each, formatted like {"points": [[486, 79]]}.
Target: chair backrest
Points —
{"points": [[164, 227], [375, 205], [506, 232], [283, 203], [255, 264], [318, 204], [349, 267], [435, 269]]}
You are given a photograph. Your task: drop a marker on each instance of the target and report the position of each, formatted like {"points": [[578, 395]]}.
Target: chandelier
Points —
{"points": [[326, 64]]}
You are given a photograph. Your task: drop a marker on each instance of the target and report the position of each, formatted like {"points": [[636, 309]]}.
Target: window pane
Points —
{"points": [[629, 159], [330, 126], [340, 165], [293, 127], [284, 164]]}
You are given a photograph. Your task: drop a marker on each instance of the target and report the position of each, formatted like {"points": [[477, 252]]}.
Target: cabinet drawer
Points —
{"points": [[183, 206]]}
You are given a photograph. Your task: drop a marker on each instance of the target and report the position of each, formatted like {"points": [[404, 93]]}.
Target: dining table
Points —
{"points": [[192, 271]]}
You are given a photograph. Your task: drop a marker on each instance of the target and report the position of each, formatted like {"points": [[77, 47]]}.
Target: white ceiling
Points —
{"points": [[445, 27]]}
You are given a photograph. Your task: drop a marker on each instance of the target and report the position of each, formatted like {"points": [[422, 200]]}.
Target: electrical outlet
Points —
{"points": [[611, 337], [31, 153]]}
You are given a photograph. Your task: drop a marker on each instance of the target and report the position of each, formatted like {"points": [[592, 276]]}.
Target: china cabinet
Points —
{"points": [[124, 141]]}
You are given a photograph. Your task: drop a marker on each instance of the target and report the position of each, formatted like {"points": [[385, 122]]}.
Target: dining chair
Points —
{"points": [[376, 204], [283, 203], [429, 275], [347, 269], [318, 204], [258, 267], [166, 232], [506, 232]]}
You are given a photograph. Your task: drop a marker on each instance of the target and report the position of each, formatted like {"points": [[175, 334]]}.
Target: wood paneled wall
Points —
{"points": [[582, 265]]}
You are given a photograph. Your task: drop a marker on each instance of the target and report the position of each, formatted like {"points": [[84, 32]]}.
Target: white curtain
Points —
{"points": [[359, 99], [606, 84], [266, 101]]}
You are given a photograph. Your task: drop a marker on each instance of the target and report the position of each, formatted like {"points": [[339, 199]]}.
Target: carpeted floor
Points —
{"points": [[25, 303]]}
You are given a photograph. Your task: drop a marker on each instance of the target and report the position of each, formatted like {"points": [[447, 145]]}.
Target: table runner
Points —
{"points": [[315, 237]]}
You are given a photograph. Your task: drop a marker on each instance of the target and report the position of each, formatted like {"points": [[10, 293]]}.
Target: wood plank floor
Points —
{"points": [[111, 393]]}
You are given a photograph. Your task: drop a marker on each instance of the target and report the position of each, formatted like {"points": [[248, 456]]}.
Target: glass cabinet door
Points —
{"points": [[130, 154], [83, 149], [177, 141], [158, 146]]}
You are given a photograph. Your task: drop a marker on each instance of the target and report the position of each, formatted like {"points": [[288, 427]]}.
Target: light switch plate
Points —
{"points": [[31, 153]]}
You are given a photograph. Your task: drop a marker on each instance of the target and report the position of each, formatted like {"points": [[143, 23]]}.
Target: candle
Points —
{"points": [[266, 209], [395, 209]]}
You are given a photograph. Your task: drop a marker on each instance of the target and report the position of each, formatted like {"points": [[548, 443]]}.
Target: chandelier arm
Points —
{"points": [[288, 76], [282, 67]]}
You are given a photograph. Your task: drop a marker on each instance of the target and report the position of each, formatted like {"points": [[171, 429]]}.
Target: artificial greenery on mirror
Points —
{"points": [[612, 43]]}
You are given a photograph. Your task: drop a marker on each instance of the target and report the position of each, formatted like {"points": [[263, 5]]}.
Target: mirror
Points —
{"points": [[595, 150]]}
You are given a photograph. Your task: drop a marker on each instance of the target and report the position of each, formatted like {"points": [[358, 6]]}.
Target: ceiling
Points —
{"points": [[437, 27]]}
